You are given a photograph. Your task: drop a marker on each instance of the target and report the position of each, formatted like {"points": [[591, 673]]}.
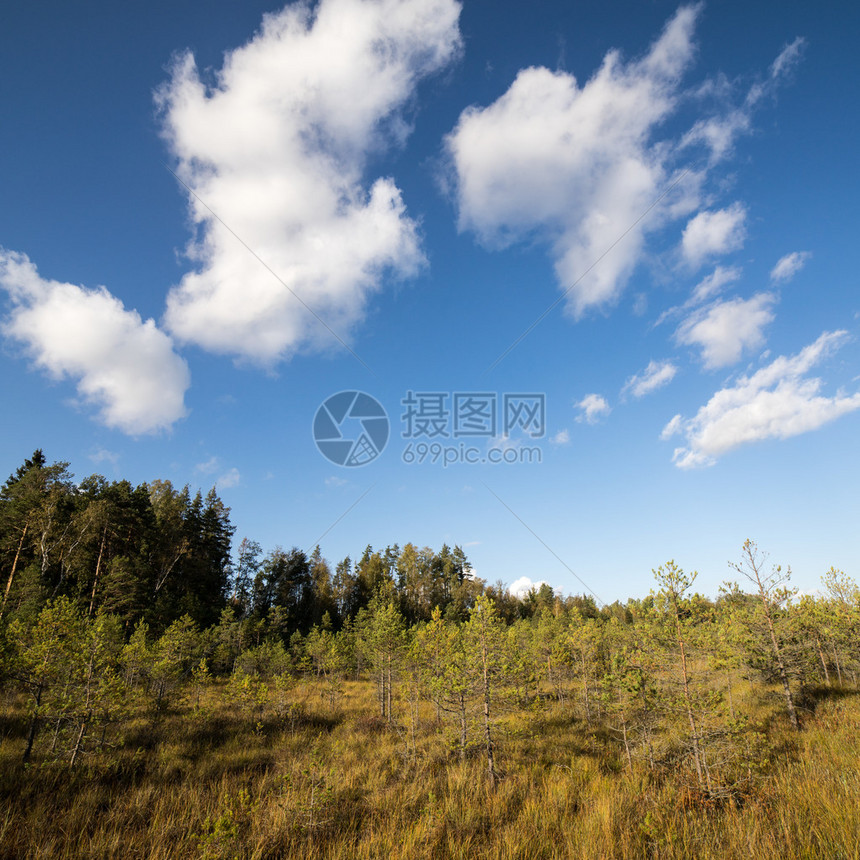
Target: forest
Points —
{"points": [[169, 691]]}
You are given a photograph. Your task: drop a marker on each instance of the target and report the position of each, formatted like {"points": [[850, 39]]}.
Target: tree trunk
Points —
{"points": [[731, 697], [79, 742], [783, 675], [96, 577], [627, 745], [413, 714], [488, 739], [823, 661], [34, 725], [838, 665], [389, 687], [650, 747], [14, 568], [585, 687], [463, 728], [688, 700]]}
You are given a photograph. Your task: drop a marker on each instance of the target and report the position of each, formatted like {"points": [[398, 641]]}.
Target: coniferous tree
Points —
{"points": [[772, 597], [674, 608]]}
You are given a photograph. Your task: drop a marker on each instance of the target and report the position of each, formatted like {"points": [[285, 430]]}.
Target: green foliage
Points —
{"points": [[124, 626]]}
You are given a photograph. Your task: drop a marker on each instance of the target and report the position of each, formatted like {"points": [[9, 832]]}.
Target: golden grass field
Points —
{"points": [[335, 781]]}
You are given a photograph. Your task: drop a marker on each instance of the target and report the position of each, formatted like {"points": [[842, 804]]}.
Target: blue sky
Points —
{"points": [[193, 197]]}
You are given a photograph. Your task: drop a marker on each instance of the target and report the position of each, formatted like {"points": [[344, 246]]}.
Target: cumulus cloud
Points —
{"points": [[712, 233], [274, 155], [578, 164], [592, 408], [789, 265], [560, 438], [776, 402], [522, 586], [124, 366], [656, 375], [725, 330], [582, 168]]}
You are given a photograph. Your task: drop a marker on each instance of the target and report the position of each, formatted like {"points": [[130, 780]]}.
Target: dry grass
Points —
{"points": [[341, 784]]}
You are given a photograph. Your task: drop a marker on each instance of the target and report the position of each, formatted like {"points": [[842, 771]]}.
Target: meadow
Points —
{"points": [[204, 780]]}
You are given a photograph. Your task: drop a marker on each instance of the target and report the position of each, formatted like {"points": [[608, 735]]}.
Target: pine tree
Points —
{"points": [[485, 641], [440, 651], [380, 635], [675, 610], [772, 597]]}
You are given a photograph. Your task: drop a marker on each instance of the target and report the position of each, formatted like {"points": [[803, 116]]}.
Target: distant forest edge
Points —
{"points": [[118, 597], [155, 553]]}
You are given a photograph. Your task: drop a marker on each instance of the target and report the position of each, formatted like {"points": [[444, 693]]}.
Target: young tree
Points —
{"points": [[172, 659], [328, 657], [440, 651], [95, 694], [844, 610], [584, 640], [68, 663], [380, 634], [772, 597], [486, 642], [247, 566], [44, 654], [622, 689], [674, 586]]}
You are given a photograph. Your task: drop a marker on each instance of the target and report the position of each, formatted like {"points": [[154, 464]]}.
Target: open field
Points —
{"points": [[338, 782]]}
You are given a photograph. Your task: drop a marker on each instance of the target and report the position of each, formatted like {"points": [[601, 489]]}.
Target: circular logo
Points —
{"points": [[351, 428]]}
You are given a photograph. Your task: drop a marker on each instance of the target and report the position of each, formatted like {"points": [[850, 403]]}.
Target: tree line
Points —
{"points": [[155, 553], [118, 599]]}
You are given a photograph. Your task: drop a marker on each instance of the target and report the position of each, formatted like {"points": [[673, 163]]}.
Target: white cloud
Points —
{"points": [[581, 166], [503, 442], [522, 586], [712, 233], [707, 288], [277, 149], [103, 455], [577, 163], [124, 366], [720, 131], [789, 265], [593, 407], [334, 481], [724, 330], [713, 284], [560, 438], [656, 375], [640, 304], [776, 402], [672, 428], [788, 58], [229, 479], [209, 466]]}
